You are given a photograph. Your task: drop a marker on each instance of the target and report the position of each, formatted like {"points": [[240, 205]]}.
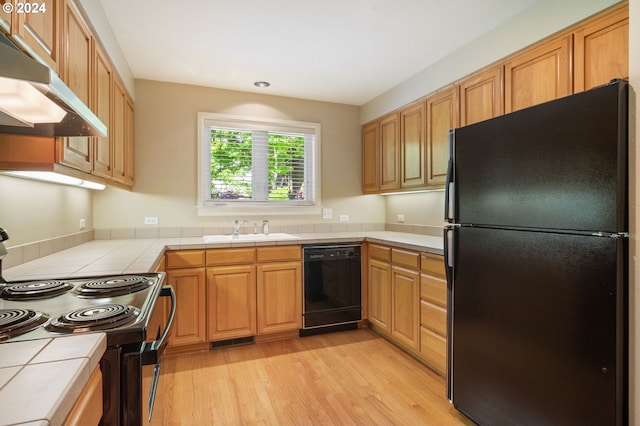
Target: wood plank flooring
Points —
{"points": [[346, 378]]}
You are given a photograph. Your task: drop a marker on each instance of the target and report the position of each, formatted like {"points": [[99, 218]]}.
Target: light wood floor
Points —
{"points": [[346, 378]]}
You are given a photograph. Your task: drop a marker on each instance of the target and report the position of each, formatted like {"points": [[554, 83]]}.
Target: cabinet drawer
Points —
{"points": [[433, 264], [380, 252], [406, 258], [433, 349], [222, 257], [184, 259], [433, 290], [433, 317], [279, 253]]}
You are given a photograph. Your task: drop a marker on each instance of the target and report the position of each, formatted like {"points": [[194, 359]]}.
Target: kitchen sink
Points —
{"points": [[249, 237]]}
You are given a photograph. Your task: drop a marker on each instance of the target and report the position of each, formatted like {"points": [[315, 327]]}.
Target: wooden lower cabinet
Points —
{"points": [[231, 302], [87, 410], [189, 324], [231, 293], [405, 312], [279, 297], [408, 301], [380, 295], [433, 312]]}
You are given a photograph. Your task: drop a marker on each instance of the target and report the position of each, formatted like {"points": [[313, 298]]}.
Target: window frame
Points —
{"points": [[207, 207]]}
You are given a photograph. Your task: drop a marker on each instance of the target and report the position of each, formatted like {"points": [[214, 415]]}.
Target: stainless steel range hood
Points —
{"points": [[79, 120]]}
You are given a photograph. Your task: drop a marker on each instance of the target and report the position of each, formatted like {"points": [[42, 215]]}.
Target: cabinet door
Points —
{"points": [[102, 97], [380, 295], [370, 158], [279, 297], [442, 115], [538, 75], [482, 96], [41, 31], [189, 322], [118, 132], [231, 302], [76, 151], [405, 307], [390, 152], [128, 142], [412, 146], [601, 50]]}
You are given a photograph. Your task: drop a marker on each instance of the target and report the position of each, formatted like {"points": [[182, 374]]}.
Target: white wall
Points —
{"points": [[165, 157], [33, 211]]}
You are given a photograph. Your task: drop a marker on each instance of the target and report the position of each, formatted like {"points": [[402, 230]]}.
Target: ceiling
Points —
{"points": [[344, 51]]}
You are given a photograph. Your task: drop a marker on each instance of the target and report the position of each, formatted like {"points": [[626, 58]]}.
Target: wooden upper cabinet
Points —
{"points": [[370, 157], [40, 31], [412, 146], [77, 61], [118, 132], [390, 152], [128, 142], [102, 94], [601, 49], [443, 110], [6, 19], [482, 96], [539, 74]]}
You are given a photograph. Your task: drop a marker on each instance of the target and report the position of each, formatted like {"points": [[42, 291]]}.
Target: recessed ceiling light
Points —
{"points": [[262, 84]]}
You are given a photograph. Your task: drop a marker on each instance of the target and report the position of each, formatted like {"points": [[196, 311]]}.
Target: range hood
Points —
{"points": [[23, 74]]}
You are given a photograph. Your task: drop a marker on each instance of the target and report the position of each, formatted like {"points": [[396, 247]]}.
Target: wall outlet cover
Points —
{"points": [[344, 218], [401, 218], [327, 213], [151, 220]]}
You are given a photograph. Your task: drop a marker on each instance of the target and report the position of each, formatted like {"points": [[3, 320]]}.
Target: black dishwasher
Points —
{"points": [[332, 288]]}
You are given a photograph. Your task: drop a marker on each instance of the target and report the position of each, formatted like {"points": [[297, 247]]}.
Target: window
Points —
{"points": [[248, 162]]}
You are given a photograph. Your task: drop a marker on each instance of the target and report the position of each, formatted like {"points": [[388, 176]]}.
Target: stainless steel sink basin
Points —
{"points": [[249, 237]]}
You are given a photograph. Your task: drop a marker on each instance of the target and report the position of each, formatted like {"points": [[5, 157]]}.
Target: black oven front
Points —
{"points": [[332, 287]]}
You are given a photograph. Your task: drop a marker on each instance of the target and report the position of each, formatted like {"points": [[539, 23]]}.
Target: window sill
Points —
{"points": [[223, 209]]}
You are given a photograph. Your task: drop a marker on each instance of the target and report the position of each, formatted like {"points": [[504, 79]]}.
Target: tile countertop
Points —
{"points": [[106, 257], [55, 371], [60, 367]]}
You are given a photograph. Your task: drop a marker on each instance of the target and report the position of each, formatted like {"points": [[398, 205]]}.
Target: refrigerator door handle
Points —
{"points": [[449, 250], [450, 186]]}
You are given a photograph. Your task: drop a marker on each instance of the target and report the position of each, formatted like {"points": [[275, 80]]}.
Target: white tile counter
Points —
{"points": [[105, 257], [40, 380]]}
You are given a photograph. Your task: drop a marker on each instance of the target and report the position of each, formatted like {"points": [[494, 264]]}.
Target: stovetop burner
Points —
{"points": [[113, 286], [34, 290], [14, 322], [99, 317]]}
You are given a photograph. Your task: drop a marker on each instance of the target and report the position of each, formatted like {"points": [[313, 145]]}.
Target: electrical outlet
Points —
{"points": [[344, 218], [83, 223], [151, 220], [327, 213], [400, 218]]}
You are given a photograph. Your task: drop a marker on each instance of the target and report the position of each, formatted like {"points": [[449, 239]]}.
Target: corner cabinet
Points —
{"points": [[381, 154]]}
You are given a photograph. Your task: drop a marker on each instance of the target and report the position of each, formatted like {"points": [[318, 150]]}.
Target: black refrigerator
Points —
{"points": [[536, 249]]}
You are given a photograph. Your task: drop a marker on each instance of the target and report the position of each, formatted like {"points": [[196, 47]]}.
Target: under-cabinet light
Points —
{"points": [[57, 178], [24, 102]]}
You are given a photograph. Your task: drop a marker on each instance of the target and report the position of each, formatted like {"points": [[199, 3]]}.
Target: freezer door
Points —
{"points": [[538, 328], [559, 165]]}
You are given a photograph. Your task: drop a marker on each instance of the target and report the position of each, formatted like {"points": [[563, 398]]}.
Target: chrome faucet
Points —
{"points": [[3, 251], [236, 227], [265, 227]]}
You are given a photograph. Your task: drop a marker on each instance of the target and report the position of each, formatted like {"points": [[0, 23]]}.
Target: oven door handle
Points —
{"points": [[151, 351]]}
